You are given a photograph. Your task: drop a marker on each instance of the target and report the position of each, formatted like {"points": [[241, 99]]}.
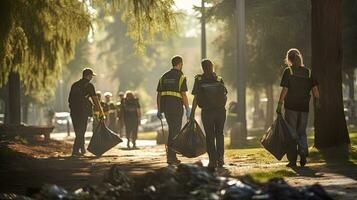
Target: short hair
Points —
{"points": [[176, 60], [87, 71]]}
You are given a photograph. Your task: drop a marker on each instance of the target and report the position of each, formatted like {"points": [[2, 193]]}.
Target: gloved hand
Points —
{"points": [[101, 115], [159, 114], [188, 112], [278, 108]]}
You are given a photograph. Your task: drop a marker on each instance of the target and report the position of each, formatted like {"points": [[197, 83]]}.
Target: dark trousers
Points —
{"points": [[298, 121], [174, 122], [80, 126], [213, 123], [131, 127]]}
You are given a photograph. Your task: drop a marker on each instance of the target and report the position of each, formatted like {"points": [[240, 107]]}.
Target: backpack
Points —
{"points": [[78, 100], [211, 93]]}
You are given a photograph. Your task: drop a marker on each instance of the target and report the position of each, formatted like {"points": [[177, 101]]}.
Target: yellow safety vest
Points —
{"points": [[172, 93]]}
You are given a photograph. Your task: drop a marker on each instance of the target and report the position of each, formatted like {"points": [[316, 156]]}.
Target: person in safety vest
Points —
{"points": [[132, 116], [81, 108], [171, 97], [111, 116], [210, 95], [120, 114], [297, 83], [96, 113]]}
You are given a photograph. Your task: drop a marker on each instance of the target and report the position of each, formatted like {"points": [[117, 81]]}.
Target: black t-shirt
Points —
{"points": [[299, 81], [170, 82], [82, 88]]}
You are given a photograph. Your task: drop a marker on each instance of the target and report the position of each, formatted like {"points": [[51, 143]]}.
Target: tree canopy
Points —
{"points": [[39, 36]]}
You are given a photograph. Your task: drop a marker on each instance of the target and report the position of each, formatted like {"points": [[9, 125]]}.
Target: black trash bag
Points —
{"points": [[278, 138], [102, 140], [190, 142]]}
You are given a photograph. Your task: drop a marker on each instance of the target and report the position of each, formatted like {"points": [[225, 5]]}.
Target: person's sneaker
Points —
{"points": [[302, 161], [174, 162], [290, 164]]}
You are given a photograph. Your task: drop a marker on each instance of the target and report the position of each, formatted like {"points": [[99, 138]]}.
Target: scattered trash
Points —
{"points": [[186, 181]]}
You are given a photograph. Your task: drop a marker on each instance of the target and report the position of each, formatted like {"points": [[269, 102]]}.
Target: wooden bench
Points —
{"points": [[26, 130]]}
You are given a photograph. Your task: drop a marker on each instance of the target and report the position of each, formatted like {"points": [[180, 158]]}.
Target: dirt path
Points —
{"points": [[30, 166]]}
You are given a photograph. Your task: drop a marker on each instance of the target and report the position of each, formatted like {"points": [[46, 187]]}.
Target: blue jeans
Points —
{"points": [[298, 121]]}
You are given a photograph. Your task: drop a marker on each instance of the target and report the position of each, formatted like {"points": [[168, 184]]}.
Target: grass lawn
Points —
{"points": [[266, 166]]}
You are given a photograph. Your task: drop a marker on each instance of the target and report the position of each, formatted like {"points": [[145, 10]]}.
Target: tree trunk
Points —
{"points": [[14, 99], [256, 117], [269, 91], [330, 123]]}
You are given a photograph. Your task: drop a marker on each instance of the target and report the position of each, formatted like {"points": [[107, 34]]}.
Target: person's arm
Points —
{"points": [[194, 105], [316, 95], [158, 101], [185, 100], [283, 93], [97, 105]]}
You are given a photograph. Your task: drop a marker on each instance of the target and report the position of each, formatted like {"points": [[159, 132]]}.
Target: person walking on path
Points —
{"points": [[297, 83], [96, 113], [111, 116], [81, 108], [132, 116], [210, 95], [171, 97], [120, 114]]}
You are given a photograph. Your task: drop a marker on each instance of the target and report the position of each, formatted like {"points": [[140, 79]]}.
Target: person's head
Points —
{"points": [[129, 94], [88, 73], [294, 58], [177, 62], [108, 96], [99, 95], [121, 95], [207, 67]]}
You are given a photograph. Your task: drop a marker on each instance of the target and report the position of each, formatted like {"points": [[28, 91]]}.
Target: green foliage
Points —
{"points": [[272, 27], [144, 18], [37, 37]]}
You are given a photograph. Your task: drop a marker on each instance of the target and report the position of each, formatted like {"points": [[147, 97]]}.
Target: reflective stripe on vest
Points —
{"points": [[171, 93]]}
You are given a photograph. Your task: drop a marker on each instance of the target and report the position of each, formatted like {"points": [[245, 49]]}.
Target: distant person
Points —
{"points": [[96, 113], [171, 97], [132, 116], [112, 111], [120, 114], [297, 82], [81, 108], [232, 115], [210, 95]]}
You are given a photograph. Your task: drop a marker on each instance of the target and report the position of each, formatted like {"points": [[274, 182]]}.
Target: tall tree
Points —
{"points": [[330, 123]]}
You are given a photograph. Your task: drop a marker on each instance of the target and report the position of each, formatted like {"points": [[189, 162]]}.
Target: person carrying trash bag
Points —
{"points": [[297, 83], [132, 116], [210, 95], [171, 96], [81, 108]]}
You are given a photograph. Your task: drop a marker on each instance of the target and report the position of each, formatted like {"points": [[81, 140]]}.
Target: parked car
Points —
{"points": [[61, 121], [150, 122]]}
